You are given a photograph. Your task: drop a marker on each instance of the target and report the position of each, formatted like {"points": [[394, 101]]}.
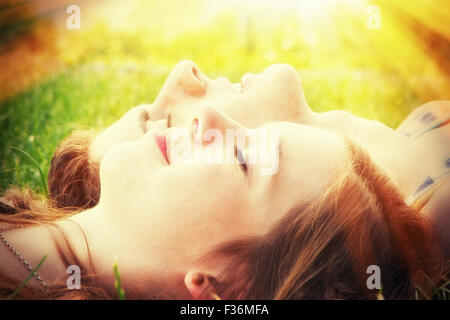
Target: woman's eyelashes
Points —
{"points": [[240, 159]]}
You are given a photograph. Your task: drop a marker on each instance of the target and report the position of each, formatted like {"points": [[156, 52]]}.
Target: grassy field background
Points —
{"points": [[54, 80]]}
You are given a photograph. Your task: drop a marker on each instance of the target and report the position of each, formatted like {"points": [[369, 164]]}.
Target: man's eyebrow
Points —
{"points": [[143, 117]]}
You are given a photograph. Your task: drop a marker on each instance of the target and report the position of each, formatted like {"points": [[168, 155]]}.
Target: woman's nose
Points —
{"points": [[188, 77], [209, 119]]}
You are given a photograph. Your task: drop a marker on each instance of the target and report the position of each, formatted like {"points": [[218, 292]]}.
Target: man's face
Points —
{"points": [[273, 95]]}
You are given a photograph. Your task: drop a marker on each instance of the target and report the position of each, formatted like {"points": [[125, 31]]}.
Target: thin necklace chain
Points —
{"points": [[22, 260]]}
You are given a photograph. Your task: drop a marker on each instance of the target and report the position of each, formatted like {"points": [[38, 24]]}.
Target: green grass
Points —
{"points": [[82, 97]]}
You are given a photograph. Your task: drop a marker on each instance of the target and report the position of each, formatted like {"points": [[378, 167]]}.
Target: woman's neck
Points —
{"points": [[87, 238], [109, 244], [103, 245], [98, 241]]}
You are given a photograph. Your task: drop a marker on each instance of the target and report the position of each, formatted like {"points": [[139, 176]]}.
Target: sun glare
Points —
{"points": [[311, 7]]}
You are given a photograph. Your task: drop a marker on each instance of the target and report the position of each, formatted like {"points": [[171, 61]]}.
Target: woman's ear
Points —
{"points": [[199, 286]]}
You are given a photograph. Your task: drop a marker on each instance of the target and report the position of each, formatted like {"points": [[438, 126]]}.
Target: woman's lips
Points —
{"points": [[162, 144]]}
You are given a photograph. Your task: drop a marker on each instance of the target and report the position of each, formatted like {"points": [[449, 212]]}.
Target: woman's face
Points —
{"points": [[175, 212], [273, 95]]}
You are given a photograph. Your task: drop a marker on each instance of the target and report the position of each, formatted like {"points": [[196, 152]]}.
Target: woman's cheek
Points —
{"points": [[123, 173]]}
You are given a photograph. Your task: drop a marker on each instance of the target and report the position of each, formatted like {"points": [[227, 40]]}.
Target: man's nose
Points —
{"points": [[188, 77]]}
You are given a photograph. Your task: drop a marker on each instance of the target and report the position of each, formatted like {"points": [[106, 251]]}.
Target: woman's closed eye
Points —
{"points": [[241, 160]]}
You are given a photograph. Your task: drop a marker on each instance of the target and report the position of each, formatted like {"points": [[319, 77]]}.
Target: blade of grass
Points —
{"points": [[27, 278], [422, 292], [442, 288], [36, 164], [117, 283], [380, 294]]}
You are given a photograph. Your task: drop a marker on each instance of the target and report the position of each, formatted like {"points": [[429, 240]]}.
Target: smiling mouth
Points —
{"points": [[162, 145]]}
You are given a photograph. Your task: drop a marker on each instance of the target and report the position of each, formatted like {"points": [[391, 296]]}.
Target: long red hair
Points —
{"points": [[73, 179], [322, 251]]}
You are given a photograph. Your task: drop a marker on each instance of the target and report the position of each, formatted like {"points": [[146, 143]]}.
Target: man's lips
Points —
{"points": [[162, 144]]}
